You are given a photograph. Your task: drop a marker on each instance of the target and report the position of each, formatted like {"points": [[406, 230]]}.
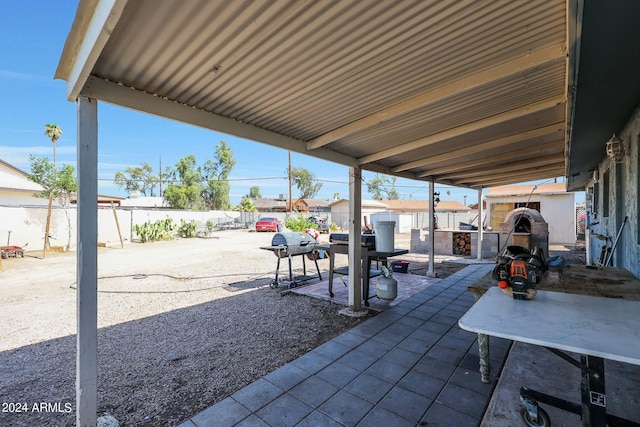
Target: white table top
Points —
{"points": [[594, 326]]}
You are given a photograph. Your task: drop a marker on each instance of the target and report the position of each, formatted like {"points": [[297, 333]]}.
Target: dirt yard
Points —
{"points": [[183, 324]]}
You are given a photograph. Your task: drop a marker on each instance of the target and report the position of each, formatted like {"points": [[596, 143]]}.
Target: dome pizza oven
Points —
{"points": [[529, 230]]}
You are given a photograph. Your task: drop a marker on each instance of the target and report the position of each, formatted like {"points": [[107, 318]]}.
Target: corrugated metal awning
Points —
{"points": [[465, 93]]}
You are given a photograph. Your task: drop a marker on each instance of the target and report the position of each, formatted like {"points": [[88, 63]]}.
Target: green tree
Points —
{"points": [[184, 191], [140, 178], [382, 187], [254, 192], [57, 184], [246, 205], [306, 182], [53, 132], [215, 193]]}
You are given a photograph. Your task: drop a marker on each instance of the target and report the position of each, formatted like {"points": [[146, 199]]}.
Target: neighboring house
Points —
{"points": [[312, 206], [340, 212], [555, 204], [407, 213], [448, 213], [270, 205], [16, 189], [141, 202]]}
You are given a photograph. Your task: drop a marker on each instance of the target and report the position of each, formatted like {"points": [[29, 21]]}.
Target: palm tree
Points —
{"points": [[53, 131]]}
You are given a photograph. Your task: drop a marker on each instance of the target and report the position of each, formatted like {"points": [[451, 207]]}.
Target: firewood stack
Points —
{"points": [[462, 244]]}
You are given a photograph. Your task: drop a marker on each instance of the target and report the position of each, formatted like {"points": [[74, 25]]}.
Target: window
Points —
{"points": [[606, 193]]}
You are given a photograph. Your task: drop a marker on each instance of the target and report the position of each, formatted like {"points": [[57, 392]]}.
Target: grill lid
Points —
{"points": [[295, 243]]}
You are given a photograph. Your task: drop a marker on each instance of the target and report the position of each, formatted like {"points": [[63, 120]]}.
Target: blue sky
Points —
{"points": [[31, 40]]}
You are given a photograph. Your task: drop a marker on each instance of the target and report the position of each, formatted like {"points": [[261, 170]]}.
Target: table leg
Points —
{"points": [[304, 265], [315, 259], [483, 345], [365, 280], [332, 263], [594, 399]]}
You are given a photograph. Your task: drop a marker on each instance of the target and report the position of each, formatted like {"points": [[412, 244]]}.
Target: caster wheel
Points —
{"points": [[331, 294], [543, 418], [273, 284]]}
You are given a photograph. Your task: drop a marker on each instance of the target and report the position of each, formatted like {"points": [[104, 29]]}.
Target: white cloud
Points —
{"points": [[15, 75]]}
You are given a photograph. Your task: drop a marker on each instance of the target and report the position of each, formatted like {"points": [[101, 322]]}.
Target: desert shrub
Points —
{"points": [[159, 230], [299, 223], [187, 229]]}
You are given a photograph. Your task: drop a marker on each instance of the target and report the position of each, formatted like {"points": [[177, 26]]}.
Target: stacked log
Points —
{"points": [[462, 244]]}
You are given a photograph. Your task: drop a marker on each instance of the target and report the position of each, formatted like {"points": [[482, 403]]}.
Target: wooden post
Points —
{"points": [[115, 215], [355, 247], [87, 264]]}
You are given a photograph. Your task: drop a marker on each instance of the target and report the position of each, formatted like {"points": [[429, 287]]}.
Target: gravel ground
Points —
{"points": [[183, 324]]}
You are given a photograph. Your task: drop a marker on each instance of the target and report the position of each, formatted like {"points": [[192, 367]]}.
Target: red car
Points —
{"points": [[268, 224]]}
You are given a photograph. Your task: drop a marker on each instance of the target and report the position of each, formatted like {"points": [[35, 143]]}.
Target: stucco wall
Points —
{"points": [[27, 224], [623, 195], [20, 198]]}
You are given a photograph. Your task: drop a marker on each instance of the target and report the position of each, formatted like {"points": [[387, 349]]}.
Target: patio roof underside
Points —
{"points": [[472, 94]]}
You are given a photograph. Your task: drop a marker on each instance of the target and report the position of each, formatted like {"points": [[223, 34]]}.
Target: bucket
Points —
{"points": [[384, 231]]}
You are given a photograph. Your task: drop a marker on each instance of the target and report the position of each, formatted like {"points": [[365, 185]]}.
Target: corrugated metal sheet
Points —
{"points": [[303, 69]]}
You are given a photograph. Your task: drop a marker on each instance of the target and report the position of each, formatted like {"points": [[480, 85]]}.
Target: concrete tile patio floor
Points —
{"points": [[408, 285], [409, 365]]}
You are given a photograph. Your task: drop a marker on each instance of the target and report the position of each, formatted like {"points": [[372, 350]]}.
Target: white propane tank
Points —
{"points": [[386, 286]]}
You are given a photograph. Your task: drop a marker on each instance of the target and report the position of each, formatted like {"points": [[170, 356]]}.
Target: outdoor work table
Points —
{"points": [[612, 282], [367, 256], [597, 328]]}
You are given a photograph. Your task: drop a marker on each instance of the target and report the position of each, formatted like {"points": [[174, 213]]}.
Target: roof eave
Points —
{"points": [[90, 31]]}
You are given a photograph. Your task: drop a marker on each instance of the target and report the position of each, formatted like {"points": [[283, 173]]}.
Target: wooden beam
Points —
{"points": [[138, 100], [482, 147], [506, 166], [82, 50], [520, 64], [465, 129], [519, 154]]}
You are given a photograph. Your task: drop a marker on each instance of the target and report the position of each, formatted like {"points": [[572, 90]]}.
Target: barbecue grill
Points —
{"points": [[293, 244], [288, 245]]}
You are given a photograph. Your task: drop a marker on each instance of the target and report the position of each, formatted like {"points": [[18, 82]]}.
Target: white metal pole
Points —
{"points": [[480, 231], [87, 264], [431, 272], [355, 230]]}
